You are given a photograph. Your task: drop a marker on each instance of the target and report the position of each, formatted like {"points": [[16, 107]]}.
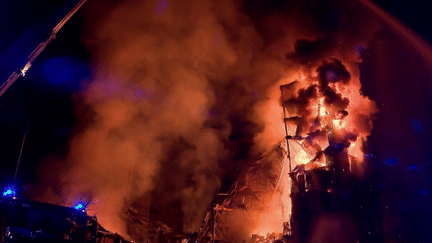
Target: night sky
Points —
{"points": [[400, 145]]}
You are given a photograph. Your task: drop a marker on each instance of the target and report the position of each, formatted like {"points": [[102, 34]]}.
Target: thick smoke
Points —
{"points": [[303, 102], [186, 92], [173, 62], [323, 61], [167, 115]]}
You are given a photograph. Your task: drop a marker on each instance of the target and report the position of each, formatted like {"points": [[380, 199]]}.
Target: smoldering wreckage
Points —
{"points": [[206, 79]]}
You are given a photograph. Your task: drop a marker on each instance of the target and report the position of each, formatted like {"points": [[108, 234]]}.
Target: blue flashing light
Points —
{"points": [[80, 206], [10, 192]]}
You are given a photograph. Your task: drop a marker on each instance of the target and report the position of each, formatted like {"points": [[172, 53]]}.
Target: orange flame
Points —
{"points": [[354, 121]]}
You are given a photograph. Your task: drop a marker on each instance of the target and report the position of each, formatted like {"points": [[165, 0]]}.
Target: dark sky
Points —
{"points": [[399, 81], [43, 98], [400, 142]]}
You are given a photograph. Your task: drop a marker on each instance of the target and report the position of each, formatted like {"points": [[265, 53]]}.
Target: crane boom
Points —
{"points": [[15, 66]]}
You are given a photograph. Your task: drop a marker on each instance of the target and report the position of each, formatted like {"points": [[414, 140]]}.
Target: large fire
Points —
{"points": [[187, 93], [323, 107]]}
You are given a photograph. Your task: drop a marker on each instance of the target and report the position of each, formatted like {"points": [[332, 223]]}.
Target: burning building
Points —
{"points": [[309, 188], [186, 95], [185, 99]]}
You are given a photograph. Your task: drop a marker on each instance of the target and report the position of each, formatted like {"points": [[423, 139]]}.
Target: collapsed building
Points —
{"points": [[311, 187]]}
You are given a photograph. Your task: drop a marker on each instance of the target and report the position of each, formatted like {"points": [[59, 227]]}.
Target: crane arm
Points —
{"points": [[20, 69]]}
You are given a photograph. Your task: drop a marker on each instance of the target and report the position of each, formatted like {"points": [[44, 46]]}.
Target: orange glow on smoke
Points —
{"points": [[179, 75], [354, 121]]}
